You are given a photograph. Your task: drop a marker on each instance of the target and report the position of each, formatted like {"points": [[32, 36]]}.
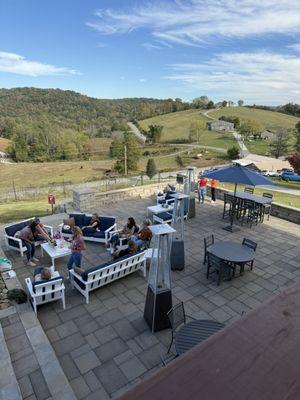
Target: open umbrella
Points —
{"points": [[238, 174]]}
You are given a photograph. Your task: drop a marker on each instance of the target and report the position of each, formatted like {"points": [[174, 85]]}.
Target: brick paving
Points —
{"points": [[106, 346]]}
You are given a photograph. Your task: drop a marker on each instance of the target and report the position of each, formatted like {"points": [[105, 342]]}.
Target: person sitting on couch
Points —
{"points": [[131, 249], [27, 237], [126, 233], [142, 238], [39, 231], [42, 274], [93, 227]]}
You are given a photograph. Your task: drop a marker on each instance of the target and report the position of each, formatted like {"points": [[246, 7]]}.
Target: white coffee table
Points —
{"points": [[55, 252], [158, 209]]}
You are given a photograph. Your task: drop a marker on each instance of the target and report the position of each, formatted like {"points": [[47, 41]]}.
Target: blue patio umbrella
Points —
{"points": [[238, 174]]}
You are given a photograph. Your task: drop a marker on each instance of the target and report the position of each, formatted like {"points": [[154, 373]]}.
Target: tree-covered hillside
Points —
{"points": [[47, 124]]}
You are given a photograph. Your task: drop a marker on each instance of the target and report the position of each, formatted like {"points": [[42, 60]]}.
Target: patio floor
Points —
{"points": [[106, 346]]}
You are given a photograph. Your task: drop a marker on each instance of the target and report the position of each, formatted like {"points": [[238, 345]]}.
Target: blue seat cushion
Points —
{"points": [[98, 234], [165, 216], [169, 195], [95, 269], [106, 222], [79, 218], [12, 229], [79, 283], [13, 243]]}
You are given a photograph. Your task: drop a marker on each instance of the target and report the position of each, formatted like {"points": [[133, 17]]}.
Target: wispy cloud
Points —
{"points": [[142, 80], [151, 46], [257, 77], [295, 47], [16, 64], [194, 22]]}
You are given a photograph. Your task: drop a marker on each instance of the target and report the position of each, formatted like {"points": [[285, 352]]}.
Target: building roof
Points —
{"points": [[263, 162], [220, 122]]}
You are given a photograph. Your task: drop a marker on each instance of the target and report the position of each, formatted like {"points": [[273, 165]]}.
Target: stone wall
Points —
{"points": [[90, 200]]}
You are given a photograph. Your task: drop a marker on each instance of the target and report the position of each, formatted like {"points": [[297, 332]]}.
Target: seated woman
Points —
{"points": [[131, 249], [93, 227], [126, 233], [28, 239], [39, 231], [142, 238]]}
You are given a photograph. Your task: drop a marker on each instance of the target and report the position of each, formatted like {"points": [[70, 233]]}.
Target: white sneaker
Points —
{"points": [[35, 259], [31, 264]]}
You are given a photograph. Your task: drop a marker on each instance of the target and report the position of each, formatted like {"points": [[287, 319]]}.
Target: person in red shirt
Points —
{"points": [[202, 183], [213, 186]]}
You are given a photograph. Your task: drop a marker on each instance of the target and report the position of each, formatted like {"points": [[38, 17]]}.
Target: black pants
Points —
{"points": [[213, 194], [30, 249]]}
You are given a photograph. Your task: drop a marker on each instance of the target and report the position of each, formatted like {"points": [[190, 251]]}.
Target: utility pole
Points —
{"points": [[125, 159]]}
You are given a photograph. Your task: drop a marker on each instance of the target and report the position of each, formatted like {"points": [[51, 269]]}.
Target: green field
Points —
{"points": [[176, 127], [267, 119]]}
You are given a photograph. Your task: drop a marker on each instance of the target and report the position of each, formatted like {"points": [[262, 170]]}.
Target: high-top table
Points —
{"points": [[254, 197]]}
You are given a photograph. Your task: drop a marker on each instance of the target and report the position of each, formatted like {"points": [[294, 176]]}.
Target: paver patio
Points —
{"points": [[106, 346]]}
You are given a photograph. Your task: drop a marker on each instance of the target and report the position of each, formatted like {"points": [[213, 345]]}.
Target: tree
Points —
{"points": [[196, 127], [224, 103], [294, 160], [249, 128], [200, 102], [151, 168], [210, 105], [179, 161], [297, 145], [133, 154], [115, 148], [233, 153], [155, 133], [280, 144], [240, 103]]}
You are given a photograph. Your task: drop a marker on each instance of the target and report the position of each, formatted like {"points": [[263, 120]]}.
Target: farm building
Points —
{"points": [[261, 163], [267, 135], [220, 126]]}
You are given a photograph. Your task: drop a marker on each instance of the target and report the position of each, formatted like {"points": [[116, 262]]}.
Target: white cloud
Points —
{"points": [[194, 22], [151, 46], [142, 80], [261, 77], [16, 64], [295, 47]]}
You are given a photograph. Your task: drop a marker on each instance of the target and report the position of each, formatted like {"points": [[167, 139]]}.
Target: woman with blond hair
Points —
{"points": [[93, 226], [77, 247]]}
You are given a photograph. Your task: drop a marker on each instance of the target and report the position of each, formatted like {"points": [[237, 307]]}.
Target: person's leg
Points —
{"points": [[32, 250], [88, 231], [213, 194], [203, 195], [70, 261], [77, 257], [199, 194], [28, 248]]}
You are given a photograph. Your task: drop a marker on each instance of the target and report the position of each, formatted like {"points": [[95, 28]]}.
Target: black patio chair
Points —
{"points": [[220, 267], [177, 317], [229, 205], [208, 241], [248, 189], [253, 246], [251, 212], [266, 209]]}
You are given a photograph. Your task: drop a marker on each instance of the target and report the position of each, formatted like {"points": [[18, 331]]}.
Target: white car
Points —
{"points": [[274, 173]]}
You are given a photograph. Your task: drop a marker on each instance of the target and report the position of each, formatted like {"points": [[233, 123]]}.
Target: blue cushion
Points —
{"points": [[106, 222], [11, 230], [169, 195], [86, 220], [13, 243], [165, 216], [94, 269], [78, 219], [100, 235], [81, 284]]}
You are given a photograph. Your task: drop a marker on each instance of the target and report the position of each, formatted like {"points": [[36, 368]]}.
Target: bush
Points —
{"points": [[233, 153], [151, 168]]}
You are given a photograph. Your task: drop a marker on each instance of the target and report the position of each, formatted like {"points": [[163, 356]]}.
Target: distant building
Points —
{"points": [[261, 163], [220, 126], [267, 135]]}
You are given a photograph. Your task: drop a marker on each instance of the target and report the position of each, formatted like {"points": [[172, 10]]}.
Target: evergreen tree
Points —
{"points": [[151, 168], [233, 153]]}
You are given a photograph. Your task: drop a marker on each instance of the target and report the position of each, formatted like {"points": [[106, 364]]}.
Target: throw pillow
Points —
{"points": [[17, 234], [70, 222]]}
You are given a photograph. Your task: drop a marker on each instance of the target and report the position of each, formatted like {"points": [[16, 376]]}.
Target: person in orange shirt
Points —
{"points": [[213, 186], [202, 183]]}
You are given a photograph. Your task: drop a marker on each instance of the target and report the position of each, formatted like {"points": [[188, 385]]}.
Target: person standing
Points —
{"points": [[202, 184], [77, 247], [213, 187]]}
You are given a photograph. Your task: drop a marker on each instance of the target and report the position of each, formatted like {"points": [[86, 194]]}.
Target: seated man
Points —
{"points": [[142, 238]]}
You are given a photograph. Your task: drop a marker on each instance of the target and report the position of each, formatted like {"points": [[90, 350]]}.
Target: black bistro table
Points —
{"points": [[195, 332], [232, 252]]}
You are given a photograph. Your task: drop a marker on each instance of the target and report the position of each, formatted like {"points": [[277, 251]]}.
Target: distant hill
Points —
{"points": [[46, 124]]}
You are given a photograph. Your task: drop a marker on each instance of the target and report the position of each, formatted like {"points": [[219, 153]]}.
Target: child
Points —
{"points": [[77, 247]]}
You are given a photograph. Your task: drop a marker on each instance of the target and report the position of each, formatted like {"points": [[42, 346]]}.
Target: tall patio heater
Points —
{"points": [[159, 295], [181, 206], [190, 190]]}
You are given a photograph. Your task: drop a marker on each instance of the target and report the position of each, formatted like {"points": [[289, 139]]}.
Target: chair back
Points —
{"points": [[214, 261], [248, 204], [228, 198], [208, 241], [268, 195], [249, 243], [248, 189], [176, 316], [48, 290]]}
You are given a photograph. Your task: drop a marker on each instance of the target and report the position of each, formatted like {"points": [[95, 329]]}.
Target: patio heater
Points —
{"points": [[177, 248], [159, 295], [190, 190]]}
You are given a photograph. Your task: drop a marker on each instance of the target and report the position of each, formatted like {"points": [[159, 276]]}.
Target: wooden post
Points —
{"points": [[13, 182], [125, 160]]}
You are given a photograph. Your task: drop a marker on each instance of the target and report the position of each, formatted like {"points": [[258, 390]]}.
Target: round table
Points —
{"points": [[232, 252], [195, 332]]}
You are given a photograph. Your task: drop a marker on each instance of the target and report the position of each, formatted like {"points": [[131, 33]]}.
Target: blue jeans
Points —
{"points": [[75, 258], [88, 231], [115, 239], [201, 194], [30, 249], [139, 242]]}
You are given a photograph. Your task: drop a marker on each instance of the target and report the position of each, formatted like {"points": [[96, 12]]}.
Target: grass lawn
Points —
{"points": [[16, 211], [258, 146], [278, 197], [267, 119], [177, 125]]}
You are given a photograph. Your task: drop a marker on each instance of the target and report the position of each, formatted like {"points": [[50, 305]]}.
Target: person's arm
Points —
{"points": [[42, 232], [93, 225]]}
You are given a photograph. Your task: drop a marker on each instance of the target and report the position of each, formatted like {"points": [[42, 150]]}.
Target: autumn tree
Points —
{"points": [[280, 144], [196, 128]]}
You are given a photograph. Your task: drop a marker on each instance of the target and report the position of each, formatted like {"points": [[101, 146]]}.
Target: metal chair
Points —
{"points": [[251, 212], [208, 241], [220, 267], [266, 209], [177, 317], [228, 200], [253, 246], [248, 189]]}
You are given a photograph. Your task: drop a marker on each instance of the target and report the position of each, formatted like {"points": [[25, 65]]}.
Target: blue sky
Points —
{"points": [[226, 49]]}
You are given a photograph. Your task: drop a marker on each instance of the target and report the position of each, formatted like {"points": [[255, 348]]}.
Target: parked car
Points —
{"points": [[274, 173], [290, 176]]}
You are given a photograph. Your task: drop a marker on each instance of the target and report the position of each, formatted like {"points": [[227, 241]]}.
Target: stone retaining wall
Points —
{"points": [[90, 200]]}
